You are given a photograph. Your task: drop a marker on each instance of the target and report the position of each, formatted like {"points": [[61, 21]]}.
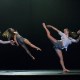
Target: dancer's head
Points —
{"points": [[66, 31], [8, 32], [11, 30]]}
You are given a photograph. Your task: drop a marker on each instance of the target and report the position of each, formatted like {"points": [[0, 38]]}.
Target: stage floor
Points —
{"points": [[38, 72]]}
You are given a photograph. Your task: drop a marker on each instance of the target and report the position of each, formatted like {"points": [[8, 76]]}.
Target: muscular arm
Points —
{"points": [[4, 42], [7, 42]]}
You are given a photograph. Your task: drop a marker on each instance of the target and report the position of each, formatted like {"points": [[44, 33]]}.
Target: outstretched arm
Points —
{"points": [[78, 39], [31, 45], [50, 26], [7, 42], [75, 40], [4, 42]]}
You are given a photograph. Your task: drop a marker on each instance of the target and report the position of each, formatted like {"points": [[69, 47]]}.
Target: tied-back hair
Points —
{"points": [[8, 33], [72, 33]]}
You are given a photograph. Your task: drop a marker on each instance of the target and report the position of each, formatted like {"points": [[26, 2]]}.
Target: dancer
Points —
{"points": [[19, 40], [60, 44]]}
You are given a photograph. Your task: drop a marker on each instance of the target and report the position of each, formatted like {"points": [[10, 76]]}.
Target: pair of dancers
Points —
{"points": [[58, 44]]}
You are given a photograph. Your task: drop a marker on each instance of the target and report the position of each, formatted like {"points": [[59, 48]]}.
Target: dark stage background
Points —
{"points": [[27, 16]]}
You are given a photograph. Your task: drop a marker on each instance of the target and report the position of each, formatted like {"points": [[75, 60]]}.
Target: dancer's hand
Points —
{"points": [[12, 42]]}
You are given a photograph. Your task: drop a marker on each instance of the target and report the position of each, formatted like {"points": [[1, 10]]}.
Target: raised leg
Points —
{"points": [[52, 39]]}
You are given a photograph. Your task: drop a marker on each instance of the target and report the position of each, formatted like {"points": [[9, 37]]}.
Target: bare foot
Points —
{"points": [[44, 25], [39, 49], [66, 70], [33, 58]]}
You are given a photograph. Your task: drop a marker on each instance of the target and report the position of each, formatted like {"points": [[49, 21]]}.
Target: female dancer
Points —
{"points": [[60, 44], [19, 40]]}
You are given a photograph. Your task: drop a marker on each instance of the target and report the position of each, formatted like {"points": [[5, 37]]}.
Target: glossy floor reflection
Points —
{"points": [[38, 72]]}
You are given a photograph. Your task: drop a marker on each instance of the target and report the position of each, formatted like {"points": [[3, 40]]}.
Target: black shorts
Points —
{"points": [[58, 45]]}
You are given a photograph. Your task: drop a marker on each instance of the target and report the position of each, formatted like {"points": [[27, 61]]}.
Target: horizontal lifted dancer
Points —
{"points": [[19, 40]]}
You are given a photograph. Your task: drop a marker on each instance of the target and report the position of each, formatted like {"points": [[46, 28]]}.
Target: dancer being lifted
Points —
{"points": [[60, 44], [19, 40]]}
